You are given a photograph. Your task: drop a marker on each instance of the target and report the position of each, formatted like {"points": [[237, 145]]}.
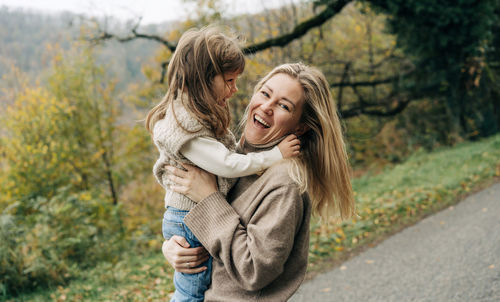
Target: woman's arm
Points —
{"points": [[253, 254]]}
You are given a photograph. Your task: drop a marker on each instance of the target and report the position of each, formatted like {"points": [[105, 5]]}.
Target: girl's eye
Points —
{"points": [[265, 94]]}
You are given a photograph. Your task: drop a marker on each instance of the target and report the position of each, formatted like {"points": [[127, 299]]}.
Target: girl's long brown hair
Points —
{"points": [[200, 55]]}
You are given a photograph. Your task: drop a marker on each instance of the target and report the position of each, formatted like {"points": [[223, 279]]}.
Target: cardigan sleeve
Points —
{"points": [[254, 254], [212, 156]]}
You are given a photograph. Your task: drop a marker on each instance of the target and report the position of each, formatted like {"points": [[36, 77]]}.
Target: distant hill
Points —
{"points": [[24, 36]]}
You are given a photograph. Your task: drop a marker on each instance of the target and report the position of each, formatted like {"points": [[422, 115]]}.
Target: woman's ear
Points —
{"points": [[301, 129]]}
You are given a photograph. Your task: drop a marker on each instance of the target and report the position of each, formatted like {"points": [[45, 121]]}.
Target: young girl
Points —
{"points": [[190, 125]]}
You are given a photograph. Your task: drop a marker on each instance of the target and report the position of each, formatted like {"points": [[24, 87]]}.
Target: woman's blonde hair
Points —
{"points": [[199, 56], [322, 169]]}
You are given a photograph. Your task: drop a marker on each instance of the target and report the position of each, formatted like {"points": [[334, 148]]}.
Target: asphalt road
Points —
{"points": [[453, 255]]}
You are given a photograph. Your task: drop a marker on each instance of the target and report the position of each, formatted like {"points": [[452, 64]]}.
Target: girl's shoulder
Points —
{"points": [[178, 126], [178, 114]]}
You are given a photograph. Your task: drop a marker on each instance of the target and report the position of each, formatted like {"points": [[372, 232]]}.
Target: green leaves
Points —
{"points": [[44, 246]]}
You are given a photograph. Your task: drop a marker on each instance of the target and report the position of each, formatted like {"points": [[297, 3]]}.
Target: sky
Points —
{"points": [[152, 11]]}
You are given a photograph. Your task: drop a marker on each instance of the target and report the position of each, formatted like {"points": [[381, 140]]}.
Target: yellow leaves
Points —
{"points": [[98, 154], [153, 243], [85, 196]]}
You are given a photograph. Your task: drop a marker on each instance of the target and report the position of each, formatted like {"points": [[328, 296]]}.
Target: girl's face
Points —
{"points": [[275, 110], [225, 86]]}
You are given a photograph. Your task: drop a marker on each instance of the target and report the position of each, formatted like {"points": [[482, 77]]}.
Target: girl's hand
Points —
{"points": [[290, 146], [182, 258], [195, 183]]}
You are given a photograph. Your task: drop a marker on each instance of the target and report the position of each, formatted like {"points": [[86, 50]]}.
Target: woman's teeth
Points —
{"points": [[260, 120]]}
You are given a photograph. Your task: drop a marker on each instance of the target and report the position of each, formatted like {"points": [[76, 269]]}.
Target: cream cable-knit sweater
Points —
{"points": [[259, 237], [169, 138]]}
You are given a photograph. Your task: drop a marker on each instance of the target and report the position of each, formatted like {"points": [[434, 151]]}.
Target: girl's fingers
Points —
{"points": [[291, 137]]}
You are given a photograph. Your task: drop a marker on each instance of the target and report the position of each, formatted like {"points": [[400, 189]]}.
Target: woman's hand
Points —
{"points": [[195, 183], [182, 258]]}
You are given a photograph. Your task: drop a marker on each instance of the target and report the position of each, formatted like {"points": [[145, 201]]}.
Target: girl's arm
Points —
{"points": [[212, 156]]}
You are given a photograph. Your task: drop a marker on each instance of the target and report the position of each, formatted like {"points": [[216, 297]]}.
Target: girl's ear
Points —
{"points": [[301, 129]]}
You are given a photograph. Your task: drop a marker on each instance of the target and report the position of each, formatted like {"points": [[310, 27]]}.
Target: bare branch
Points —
{"points": [[392, 104], [135, 35], [371, 83], [364, 109], [301, 29]]}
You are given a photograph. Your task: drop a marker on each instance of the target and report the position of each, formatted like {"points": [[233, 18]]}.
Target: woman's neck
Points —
{"points": [[248, 147]]}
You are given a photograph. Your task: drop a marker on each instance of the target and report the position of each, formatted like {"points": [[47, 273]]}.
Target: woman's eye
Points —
{"points": [[265, 94], [285, 107]]}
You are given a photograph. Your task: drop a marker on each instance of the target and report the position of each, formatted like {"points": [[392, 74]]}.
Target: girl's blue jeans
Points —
{"points": [[188, 287]]}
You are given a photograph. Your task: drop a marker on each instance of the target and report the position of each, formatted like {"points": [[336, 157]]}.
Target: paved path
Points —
{"points": [[453, 255]]}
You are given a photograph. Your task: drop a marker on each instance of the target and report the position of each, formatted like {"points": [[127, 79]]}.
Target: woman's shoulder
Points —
{"points": [[279, 175]]}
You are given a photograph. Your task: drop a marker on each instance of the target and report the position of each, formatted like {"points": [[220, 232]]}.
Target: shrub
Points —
{"points": [[59, 235]]}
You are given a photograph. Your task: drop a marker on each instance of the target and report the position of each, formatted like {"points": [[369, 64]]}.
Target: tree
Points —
{"points": [[447, 41], [62, 134]]}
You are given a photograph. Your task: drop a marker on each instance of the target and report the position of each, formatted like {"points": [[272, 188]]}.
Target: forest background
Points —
{"points": [[77, 194]]}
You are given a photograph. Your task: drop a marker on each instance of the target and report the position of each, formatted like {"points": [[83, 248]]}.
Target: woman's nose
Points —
{"points": [[267, 107]]}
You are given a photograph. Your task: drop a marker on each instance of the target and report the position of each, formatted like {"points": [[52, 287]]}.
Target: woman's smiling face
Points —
{"points": [[275, 110]]}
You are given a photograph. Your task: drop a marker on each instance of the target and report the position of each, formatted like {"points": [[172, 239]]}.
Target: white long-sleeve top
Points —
{"points": [[212, 156]]}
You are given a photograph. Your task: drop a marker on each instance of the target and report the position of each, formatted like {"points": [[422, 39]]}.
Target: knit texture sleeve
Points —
{"points": [[254, 255]]}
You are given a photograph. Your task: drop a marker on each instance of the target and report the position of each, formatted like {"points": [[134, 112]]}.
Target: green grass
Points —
{"points": [[398, 196]]}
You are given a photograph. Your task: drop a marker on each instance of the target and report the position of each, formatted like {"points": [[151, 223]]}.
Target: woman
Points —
{"points": [[259, 235]]}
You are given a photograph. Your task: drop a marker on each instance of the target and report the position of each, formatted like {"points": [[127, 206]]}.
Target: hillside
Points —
{"points": [[26, 38]]}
